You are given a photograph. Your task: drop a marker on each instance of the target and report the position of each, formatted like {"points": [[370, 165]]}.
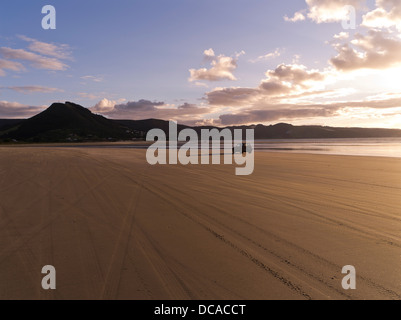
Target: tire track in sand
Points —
{"points": [[274, 273], [113, 275]]}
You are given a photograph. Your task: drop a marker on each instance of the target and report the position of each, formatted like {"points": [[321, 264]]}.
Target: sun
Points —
{"points": [[390, 80]]}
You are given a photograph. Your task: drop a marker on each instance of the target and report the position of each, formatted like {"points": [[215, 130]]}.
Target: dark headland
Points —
{"points": [[70, 122]]}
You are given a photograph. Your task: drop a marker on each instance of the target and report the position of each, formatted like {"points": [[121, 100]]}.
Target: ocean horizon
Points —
{"points": [[374, 147]]}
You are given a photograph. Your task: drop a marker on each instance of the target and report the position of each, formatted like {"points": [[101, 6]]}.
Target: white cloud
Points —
{"points": [[386, 15], [222, 68], [376, 50], [282, 82], [298, 16], [209, 53], [341, 36], [267, 56], [104, 106], [200, 84], [239, 54], [322, 11]]}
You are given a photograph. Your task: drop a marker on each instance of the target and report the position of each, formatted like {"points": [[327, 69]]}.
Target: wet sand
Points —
{"points": [[115, 227]]}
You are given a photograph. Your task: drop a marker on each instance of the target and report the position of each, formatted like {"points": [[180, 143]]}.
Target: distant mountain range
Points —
{"points": [[69, 122]]}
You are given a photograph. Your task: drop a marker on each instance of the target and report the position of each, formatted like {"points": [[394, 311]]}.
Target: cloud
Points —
{"points": [[93, 78], [146, 109], [382, 103], [376, 50], [15, 110], [200, 84], [267, 56], [258, 116], [204, 122], [253, 108], [41, 55], [295, 74], [323, 11], [386, 15], [104, 106], [298, 16], [239, 54], [341, 36], [32, 89], [232, 96], [59, 51], [9, 65], [187, 106], [135, 106], [284, 112], [222, 68], [116, 108], [285, 80], [209, 53], [37, 61]]}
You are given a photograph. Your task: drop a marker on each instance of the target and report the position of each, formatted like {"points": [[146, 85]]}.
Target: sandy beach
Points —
{"points": [[115, 227]]}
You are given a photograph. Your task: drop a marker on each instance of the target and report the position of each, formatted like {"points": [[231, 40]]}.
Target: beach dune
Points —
{"points": [[115, 227]]}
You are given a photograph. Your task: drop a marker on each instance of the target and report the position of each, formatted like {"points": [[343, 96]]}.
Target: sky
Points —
{"points": [[214, 62]]}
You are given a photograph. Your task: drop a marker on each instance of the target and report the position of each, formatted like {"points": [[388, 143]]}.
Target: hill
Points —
{"points": [[288, 131], [277, 131], [148, 124], [69, 122], [8, 123]]}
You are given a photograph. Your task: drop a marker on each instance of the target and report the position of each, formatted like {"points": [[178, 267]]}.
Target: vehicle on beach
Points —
{"points": [[242, 148]]}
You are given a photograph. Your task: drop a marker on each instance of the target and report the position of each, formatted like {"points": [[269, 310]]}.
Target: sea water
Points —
{"points": [[380, 147]]}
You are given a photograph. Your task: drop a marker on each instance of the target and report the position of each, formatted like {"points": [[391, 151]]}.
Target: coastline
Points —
{"points": [[370, 147]]}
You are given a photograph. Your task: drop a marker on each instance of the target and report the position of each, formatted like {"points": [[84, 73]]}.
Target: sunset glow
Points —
{"points": [[224, 63]]}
